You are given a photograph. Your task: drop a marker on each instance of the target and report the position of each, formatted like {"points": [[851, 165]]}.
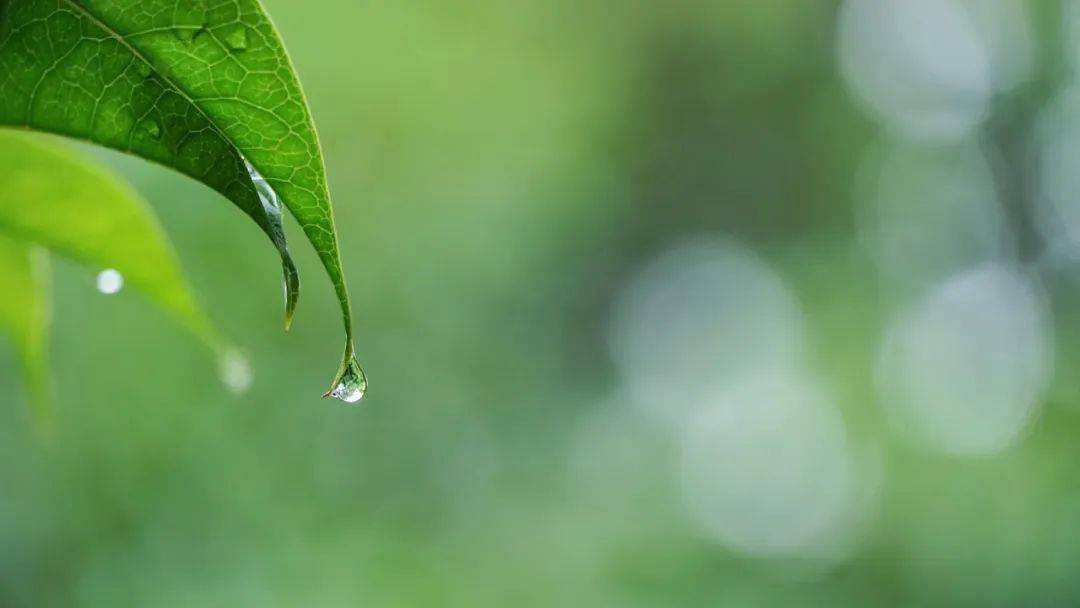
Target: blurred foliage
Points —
{"points": [[24, 318], [53, 201], [503, 169]]}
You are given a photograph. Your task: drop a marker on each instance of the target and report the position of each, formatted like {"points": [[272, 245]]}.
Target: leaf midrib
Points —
{"points": [[85, 12]]}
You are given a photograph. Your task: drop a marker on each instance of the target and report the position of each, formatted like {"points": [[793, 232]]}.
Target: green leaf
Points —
{"points": [[52, 199], [24, 315], [202, 86]]}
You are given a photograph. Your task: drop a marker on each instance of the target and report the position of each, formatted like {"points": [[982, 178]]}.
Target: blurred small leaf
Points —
{"points": [[202, 86], [24, 315], [51, 199]]}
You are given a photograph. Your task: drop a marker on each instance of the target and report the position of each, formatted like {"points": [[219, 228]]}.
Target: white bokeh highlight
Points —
{"points": [[964, 369], [110, 281], [706, 311], [1005, 28], [1057, 143], [922, 67], [234, 371], [767, 469], [1070, 22], [927, 213]]}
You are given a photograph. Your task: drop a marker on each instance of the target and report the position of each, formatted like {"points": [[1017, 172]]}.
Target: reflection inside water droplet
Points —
{"points": [[235, 373], [353, 384], [110, 281]]}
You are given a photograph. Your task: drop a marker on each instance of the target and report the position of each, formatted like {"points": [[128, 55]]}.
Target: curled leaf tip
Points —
{"points": [[292, 288]]}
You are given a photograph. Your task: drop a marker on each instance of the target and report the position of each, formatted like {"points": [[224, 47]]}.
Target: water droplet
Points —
{"points": [[144, 69], [153, 129], [188, 33], [269, 199], [235, 372], [353, 384], [237, 38], [110, 281], [271, 206]]}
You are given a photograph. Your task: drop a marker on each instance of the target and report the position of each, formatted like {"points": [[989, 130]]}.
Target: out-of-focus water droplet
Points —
{"points": [[237, 38], [353, 384], [235, 372], [768, 470], [152, 128], [673, 325], [269, 199], [110, 281], [144, 69]]}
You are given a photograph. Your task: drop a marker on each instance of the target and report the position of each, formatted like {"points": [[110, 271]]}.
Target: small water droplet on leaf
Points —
{"points": [[353, 384], [188, 33], [144, 69], [110, 281], [237, 38], [153, 129]]}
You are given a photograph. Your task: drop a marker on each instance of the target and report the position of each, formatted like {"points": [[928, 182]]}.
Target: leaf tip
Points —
{"points": [[292, 287]]}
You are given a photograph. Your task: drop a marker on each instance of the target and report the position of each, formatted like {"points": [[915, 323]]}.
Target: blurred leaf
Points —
{"points": [[201, 86], [24, 315], [52, 198]]}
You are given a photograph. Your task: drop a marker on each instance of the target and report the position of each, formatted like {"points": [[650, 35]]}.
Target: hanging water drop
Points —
{"points": [[234, 371], [353, 384], [110, 281], [237, 38]]}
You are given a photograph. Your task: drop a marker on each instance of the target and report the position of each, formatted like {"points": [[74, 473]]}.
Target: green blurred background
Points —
{"points": [[725, 303]]}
